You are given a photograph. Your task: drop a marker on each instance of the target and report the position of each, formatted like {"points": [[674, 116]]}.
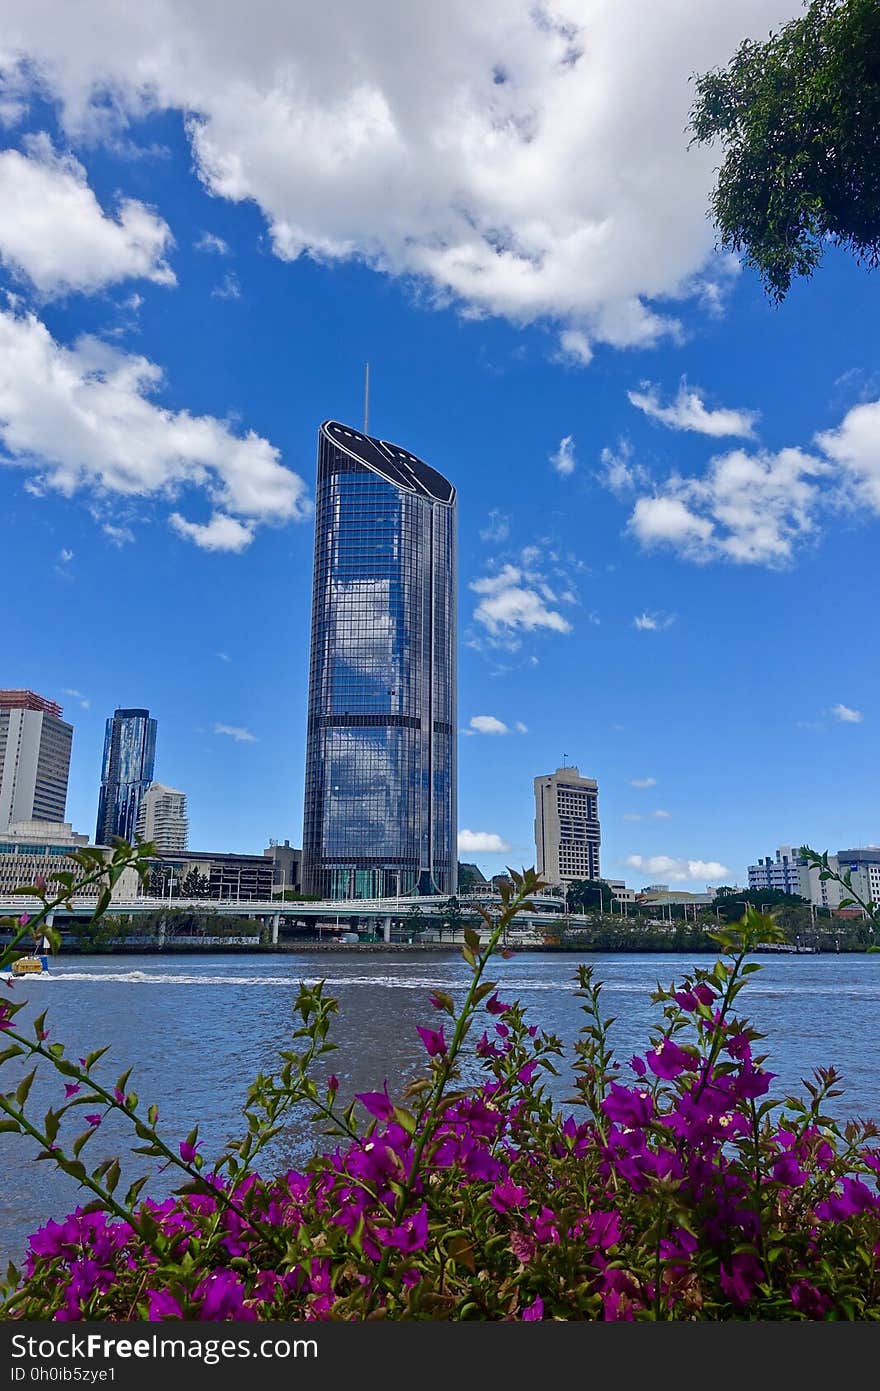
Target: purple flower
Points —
{"points": [[856, 1197], [222, 1298], [808, 1300], [739, 1277], [638, 1065], [71, 1088], [667, 1060], [534, 1312], [738, 1046], [686, 999], [379, 1104], [189, 1152], [704, 993], [24, 919], [788, 1172], [527, 1071], [162, 1305], [119, 1096], [496, 1006], [409, 1235], [333, 1083], [433, 1040], [5, 1015], [626, 1107], [507, 1195], [94, 1118]]}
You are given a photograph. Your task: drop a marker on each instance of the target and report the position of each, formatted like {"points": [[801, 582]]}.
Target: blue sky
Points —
{"points": [[669, 491]]}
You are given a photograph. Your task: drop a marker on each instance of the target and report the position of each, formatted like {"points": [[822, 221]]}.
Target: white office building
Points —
{"points": [[35, 748], [162, 818], [786, 873]]}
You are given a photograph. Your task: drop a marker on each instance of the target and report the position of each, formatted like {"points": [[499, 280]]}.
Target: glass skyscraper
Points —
{"points": [[126, 773], [381, 786]]}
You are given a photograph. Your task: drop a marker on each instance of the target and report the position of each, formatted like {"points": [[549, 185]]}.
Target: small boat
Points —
{"points": [[32, 967]]}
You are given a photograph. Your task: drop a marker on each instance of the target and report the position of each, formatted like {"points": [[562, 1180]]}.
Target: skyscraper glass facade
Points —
{"points": [[381, 787], [126, 773]]}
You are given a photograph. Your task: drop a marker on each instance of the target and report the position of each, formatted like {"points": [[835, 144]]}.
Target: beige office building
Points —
{"points": [[162, 818], [566, 827]]}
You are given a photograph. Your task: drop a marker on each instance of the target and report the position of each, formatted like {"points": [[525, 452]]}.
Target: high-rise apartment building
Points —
{"points": [[35, 748], [381, 787], [162, 818], [126, 773], [567, 833]]}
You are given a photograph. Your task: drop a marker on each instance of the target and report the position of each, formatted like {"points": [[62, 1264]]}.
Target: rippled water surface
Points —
{"points": [[195, 1030]]}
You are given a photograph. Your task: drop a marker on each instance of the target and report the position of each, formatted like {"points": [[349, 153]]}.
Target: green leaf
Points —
{"points": [[24, 1086]]}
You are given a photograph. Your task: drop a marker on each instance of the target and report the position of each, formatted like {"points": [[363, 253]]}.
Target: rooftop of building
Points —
{"points": [[29, 700], [391, 461]]}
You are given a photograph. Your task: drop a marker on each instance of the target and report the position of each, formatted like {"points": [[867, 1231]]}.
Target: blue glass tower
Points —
{"points": [[126, 773], [381, 786]]}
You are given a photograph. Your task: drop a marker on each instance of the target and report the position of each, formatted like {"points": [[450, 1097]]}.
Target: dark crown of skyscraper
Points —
{"points": [[381, 789]]}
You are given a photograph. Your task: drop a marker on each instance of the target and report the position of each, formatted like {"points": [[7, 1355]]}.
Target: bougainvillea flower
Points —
{"points": [[71, 1088], [379, 1104], [433, 1040], [667, 1060], [534, 1312], [188, 1152], [739, 1276], [162, 1305], [627, 1107], [496, 1006]]}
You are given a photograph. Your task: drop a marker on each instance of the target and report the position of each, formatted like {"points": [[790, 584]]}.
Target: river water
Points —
{"points": [[196, 1029]]}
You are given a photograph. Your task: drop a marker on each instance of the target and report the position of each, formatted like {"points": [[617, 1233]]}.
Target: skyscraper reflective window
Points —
{"points": [[381, 790], [126, 773]]}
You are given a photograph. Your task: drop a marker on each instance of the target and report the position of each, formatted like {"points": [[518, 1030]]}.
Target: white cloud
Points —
{"points": [[855, 447], [65, 556], [54, 231], [236, 732], [537, 165], [618, 473], [676, 870], [497, 528], [688, 411], [643, 782], [653, 622], [477, 842], [633, 816], [487, 724], [209, 242], [757, 509], [563, 459], [81, 420], [575, 347], [753, 509], [223, 656], [511, 603], [84, 701], [846, 715], [229, 287], [662, 815], [521, 728], [221, 533]]}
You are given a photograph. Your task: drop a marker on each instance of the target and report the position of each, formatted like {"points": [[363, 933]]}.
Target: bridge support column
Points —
{"points": [[386, 929], [276, 923]]}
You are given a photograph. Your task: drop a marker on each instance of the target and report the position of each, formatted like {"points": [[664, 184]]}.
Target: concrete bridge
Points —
{"points": [[358, 915]]}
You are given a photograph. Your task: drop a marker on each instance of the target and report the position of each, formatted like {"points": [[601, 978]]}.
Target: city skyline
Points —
{"points": [[666, 514]]}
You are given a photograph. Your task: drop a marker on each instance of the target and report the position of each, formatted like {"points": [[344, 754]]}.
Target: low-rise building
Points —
{"points": [[286, 866], [786, 873], [31, 848], [228, 875]]}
